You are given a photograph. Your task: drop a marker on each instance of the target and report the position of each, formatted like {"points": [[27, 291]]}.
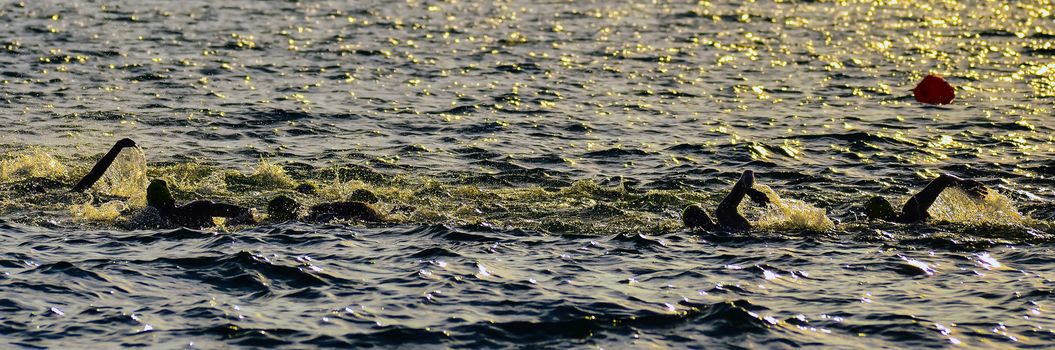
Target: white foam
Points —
{"points": [[791, 214]]}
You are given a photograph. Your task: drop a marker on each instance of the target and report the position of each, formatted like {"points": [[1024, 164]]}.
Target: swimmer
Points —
{"points": [[915, 209], [196, 214], [100, 167], [729, 217], [283, 208]]}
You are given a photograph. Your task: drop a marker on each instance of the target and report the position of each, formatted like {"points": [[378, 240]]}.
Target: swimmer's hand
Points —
{"points": [[761, 198], [747, 180], [973, 188], [125, 143]]}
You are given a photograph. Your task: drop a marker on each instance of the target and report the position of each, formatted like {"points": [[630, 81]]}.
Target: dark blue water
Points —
{"points": [[532, 160], [473, 287]]}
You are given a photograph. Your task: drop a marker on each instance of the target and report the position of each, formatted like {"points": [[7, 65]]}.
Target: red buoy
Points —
{"points": [[934, 90]]}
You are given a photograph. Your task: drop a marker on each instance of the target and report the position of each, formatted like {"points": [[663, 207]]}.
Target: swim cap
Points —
{"points": [[158, 195], [307, 188], [363, 195], [283, 208], [879, 208], [695, 217]]}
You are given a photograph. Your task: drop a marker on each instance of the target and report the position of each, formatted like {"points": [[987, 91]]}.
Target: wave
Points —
{"points": [[247, 272]]}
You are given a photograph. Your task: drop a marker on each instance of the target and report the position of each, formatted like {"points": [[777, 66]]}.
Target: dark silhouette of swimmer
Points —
{"points": [[100, 167], [729, 217], [196, 214], [284, 208], [915, 209]]}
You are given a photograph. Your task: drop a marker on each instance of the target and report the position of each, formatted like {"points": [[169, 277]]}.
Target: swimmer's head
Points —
{"points": [[158, 195], [694, 217], [879, 208], [308, 187], [363, 195], [283, 208]]}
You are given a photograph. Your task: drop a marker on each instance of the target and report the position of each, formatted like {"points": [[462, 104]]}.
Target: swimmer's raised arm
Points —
{"points": [[915, 208], [100, 167], [728, 214]]}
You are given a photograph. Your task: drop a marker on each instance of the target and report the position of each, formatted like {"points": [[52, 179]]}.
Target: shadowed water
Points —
{"points": [[470, 286], [532, 159]]}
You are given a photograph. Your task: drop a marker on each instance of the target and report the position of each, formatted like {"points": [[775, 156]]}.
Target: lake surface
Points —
{"points": [[532, 159]]}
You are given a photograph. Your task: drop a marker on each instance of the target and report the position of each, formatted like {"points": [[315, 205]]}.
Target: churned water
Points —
{"points": [[532, 159]]}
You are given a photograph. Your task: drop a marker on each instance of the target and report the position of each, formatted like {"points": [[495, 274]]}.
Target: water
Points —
{"points": [[532, 160]]}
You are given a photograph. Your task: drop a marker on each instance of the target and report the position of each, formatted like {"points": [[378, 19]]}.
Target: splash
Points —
{"points": [[337, 190], [791, 214], [995, 209], [583, 206], [35, 163], [127, 177], [269, 175], [106, 212], [193, 177]]}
